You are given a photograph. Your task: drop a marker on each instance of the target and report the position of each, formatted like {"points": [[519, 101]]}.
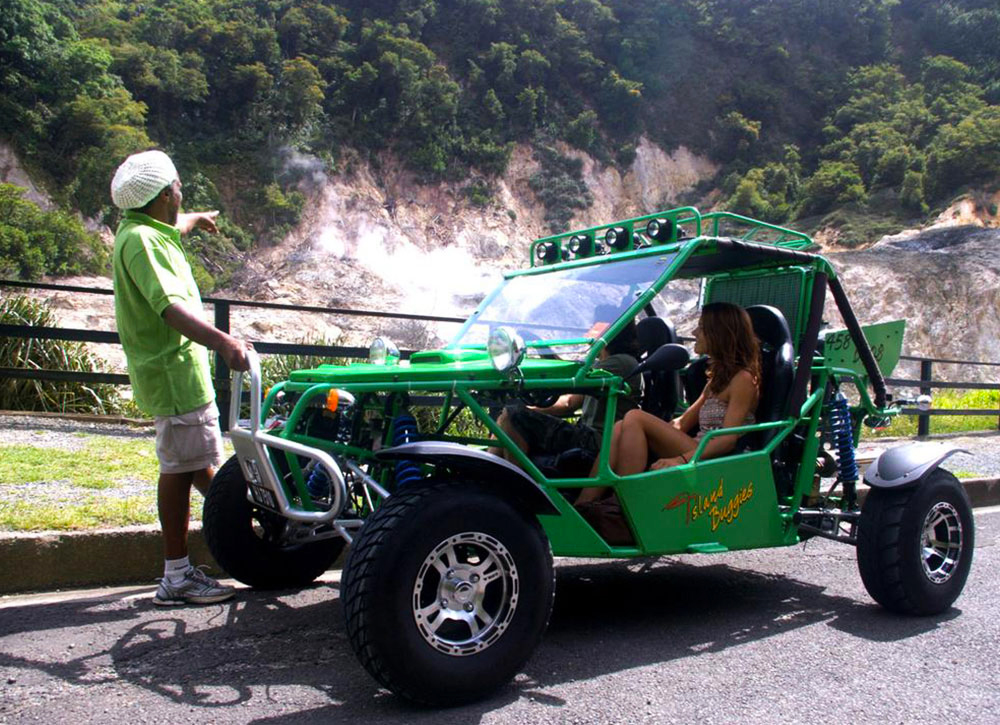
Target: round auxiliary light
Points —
{"points": [[337, 398], [547, 252], [383, 351], [581, 245], [505, 348], [660, 229], [618, 238]]}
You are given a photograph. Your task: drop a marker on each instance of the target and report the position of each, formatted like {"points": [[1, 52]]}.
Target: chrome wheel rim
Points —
{"points": [[941, 542], [465, 594]]}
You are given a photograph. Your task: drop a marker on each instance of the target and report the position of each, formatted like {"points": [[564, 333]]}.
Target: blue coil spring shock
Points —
{"points": [[318, 483], [838, 416], [404, 430]]}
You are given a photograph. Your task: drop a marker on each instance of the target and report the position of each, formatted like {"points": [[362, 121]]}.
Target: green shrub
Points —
{"points": [[966, 152], [38, 354], [559, 186], [911, 195], [34, 242], [834, 183]]}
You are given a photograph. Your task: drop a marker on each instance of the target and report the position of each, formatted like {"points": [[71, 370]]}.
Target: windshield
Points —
{"points": [[565, 304]]}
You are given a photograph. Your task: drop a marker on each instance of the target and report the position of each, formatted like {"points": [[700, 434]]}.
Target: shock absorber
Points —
{"points": [[404, 430], [840, 430], [318, 483]]}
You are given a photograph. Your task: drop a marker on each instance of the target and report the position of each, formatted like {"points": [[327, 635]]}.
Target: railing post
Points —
{"points": [[924, 420], [221, 381]]}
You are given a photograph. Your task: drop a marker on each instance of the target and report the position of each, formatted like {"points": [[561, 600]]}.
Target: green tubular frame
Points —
{"points": [[461, 380]]}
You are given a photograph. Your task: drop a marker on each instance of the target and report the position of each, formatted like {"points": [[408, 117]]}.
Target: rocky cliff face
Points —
{"points": [[945, 281], [386, 242], [382, 241]]}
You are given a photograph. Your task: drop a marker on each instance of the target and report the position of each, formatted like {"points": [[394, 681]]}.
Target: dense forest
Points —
{"points": [[810, 106]]}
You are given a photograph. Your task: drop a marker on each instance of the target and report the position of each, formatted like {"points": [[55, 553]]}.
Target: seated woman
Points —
{"points": [[729, 399]]}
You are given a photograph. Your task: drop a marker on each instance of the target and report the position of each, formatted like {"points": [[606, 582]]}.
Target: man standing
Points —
{"points": [[158, 310]]}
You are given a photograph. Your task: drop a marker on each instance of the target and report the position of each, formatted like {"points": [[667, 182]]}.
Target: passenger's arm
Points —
{"points": [[742, 399], [689, 417], [565, 406]]}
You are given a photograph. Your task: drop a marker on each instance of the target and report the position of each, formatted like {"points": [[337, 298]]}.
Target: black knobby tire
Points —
{"points": [[245, 539], [392, 575], [915, 545]]}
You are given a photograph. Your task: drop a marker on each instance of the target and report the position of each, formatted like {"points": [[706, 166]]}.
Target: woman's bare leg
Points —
{"points": [[642, 433]]}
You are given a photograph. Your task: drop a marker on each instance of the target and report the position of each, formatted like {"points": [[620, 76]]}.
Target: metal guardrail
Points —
{"points": [[926, 383], [223, 311]]}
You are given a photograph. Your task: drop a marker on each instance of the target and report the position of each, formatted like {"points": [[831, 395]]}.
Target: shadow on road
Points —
{"points": [[609, 617]]}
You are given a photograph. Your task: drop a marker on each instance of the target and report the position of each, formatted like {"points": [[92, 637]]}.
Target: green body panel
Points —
{"points": [[729, 501], [885, 340]]}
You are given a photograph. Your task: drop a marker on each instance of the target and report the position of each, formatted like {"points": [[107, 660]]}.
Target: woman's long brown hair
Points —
{"points": [[731, 344]]}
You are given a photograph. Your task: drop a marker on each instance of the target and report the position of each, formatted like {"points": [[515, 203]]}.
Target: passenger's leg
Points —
{"points": [[507, 427], [642, 433]]}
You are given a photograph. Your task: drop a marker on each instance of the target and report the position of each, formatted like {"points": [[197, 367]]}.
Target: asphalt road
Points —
{"points": [[783, 635]]}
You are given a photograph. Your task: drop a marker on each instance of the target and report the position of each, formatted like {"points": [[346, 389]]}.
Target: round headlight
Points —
{"points": [[383, 351], [581, 245], [506, 349], [660, 229], [618, 238], [547, 252]]}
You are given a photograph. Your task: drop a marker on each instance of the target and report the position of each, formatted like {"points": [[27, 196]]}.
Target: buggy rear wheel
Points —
{"points": [[247, 540], [447, 591], [915, 545]]}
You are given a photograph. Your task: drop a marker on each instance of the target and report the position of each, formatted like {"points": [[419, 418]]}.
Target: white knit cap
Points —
{"points": [[141, 177]]}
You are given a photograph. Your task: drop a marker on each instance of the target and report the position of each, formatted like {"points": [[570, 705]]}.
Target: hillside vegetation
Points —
{"points": [[813, 108]]}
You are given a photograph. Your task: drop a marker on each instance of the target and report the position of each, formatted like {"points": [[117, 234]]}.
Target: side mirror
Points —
{"points": [[666, 357]]}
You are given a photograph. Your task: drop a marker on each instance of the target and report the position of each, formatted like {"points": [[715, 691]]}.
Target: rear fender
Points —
{"points": [[483, 466], [907, 465]]}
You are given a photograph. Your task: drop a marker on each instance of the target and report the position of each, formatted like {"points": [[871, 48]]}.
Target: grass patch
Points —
{"points": [[906, 425], [101, 462], [107, 481], [90, 512]]}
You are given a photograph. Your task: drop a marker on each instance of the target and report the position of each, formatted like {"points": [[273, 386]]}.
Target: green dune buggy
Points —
{"points": [[449, 582]]}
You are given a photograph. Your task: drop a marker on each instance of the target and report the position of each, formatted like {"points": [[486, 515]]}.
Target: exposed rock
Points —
{"points": [[944, 281], [11, 172]]}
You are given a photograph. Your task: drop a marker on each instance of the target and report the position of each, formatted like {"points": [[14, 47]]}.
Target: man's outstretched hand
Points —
{"points": [[197, 220]]}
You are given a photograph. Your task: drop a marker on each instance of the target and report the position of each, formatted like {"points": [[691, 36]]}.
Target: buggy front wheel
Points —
{"points": [[446, 592], [249, 543], [915, 545]]}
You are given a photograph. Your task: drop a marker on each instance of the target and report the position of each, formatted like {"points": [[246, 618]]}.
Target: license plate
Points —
{"points": [[263, 497]]}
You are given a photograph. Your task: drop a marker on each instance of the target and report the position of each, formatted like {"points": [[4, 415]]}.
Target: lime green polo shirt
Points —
{"points": [[170, 374]]}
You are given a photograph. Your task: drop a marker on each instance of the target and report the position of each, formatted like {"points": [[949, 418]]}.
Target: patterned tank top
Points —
{"points": [[713, 414]]}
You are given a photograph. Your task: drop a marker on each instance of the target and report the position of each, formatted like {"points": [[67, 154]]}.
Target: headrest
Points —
{"points": [[653, 332], [769, 325]]}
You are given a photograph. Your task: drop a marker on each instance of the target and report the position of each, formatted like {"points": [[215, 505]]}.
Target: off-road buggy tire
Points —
{"points": [[915, 545], [241, 537], [390, 581]]}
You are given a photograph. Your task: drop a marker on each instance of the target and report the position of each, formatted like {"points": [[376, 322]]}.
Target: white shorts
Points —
{"points": [[189, 442]]}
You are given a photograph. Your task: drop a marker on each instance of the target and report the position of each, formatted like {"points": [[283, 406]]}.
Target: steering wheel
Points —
{"points": [[538, 398]]}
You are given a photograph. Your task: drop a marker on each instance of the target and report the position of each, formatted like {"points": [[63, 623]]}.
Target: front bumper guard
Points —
{"points": [[265, 488]]}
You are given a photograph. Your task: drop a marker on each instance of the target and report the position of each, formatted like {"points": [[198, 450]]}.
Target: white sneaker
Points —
{"points": [[195, 588]]}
